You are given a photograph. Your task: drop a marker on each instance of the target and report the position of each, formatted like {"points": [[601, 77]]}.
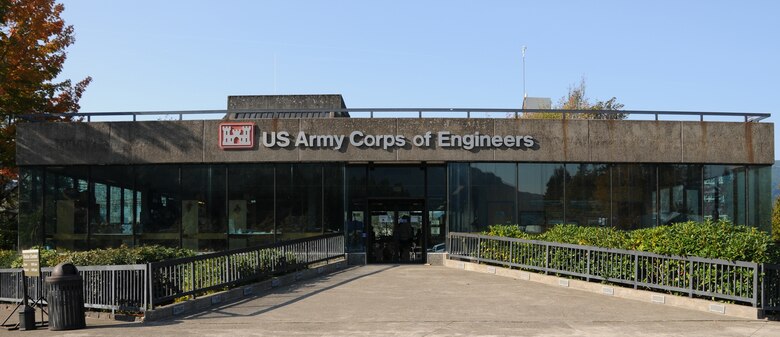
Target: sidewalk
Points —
{"points": [[414, 300]]}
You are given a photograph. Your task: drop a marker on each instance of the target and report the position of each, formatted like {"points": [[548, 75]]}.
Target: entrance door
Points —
{"points": [[395, 233]]}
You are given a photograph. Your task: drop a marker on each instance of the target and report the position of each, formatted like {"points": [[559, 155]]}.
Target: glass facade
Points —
{"points": [[221, 206], [625, 196], [201, 207]]}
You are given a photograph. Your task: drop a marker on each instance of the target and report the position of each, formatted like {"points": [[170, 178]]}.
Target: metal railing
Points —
{"points": [[770, 288], [191, 276], [693, 276], [121, 287], [396, 113], [138, 287]]}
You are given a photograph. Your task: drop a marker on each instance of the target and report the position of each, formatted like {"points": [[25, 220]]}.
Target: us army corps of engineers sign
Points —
{"points": [[241, 136]]}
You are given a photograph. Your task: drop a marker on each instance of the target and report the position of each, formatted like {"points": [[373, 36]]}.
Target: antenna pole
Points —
{"points": [[274, 73], [525, 93]]}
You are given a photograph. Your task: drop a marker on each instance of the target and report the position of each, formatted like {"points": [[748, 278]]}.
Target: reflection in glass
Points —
{"points": [[760, 197], [298, 200], [30, 206], [493, 193], [460, 212], [633, 196], [67, 201], [436, 205], [540, 196], [724, 193], [396, 181], [160, 205], [250, 211], [356, 188], [107, 226], [334, 216], [680, 193], [588, 195], [204, 220]]}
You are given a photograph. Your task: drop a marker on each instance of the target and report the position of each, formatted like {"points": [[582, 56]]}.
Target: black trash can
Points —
{"points": [[66, 298]]}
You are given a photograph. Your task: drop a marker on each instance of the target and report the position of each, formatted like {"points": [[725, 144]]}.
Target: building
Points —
{"points": [[284, 167]]}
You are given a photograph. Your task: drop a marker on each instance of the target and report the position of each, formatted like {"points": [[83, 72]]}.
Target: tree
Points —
{"points": [[576, 99], [33, 39]]}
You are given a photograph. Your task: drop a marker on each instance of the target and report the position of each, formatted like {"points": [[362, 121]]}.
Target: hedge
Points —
{"points": [[708, 239], [110, 256]]}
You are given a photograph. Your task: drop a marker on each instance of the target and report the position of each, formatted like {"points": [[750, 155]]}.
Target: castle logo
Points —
{"points": [[237, 135]]}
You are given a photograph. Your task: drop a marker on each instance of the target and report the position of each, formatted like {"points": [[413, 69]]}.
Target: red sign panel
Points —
{"points": [[237, 135]]}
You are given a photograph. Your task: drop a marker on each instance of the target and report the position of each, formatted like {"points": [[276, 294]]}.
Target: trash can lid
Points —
{"points": [[64, 269]]}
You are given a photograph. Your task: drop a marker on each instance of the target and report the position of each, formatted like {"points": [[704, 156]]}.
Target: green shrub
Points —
{"points": [[708, 239], [109, 256], [7, 257]]}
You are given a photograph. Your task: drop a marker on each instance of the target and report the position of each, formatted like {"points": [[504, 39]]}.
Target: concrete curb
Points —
{"points": [[257, 289], [697, 304]]}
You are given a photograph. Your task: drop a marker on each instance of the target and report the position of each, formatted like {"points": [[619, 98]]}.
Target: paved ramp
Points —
{"points": [[414, 300]]}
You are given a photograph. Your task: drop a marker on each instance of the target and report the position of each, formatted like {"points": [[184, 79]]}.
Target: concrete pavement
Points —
{"points": [[414, 300]]}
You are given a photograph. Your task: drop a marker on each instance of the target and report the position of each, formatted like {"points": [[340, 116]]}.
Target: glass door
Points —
{"points": [[396, 233]]}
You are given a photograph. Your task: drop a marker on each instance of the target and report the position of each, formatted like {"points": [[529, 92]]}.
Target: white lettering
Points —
{"points": [[283, 139], [268, 139], [528, 141], [339, 142], [443, 139], [301, 140], [356, 138]]}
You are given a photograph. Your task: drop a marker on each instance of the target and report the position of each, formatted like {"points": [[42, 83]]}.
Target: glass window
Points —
{"points": [[460, 211], [107, 219], [436, 205], [588, 194], [250, 204], [160, 204], [540, 196], [680, 194], [724, 193], [334, 216], [633, 196], [396, 181], [760, 197], [30, 207], [67, 207], [357, 177], [493, 193], [203, 203], [298, 200]]}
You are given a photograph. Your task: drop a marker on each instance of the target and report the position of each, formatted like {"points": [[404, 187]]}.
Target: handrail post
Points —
{"points": [[690, 277], [192, 278], [510, 254], [113, 291], [479, 248], [150, 280], [145, 288], [587, 265], [546, 258], [636, 270], [756, 270]]}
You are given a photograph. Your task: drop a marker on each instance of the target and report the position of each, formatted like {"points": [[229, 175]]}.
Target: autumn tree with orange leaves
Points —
{"points": [[33, 39]]}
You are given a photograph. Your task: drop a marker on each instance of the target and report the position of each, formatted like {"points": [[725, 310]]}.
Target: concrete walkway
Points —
{"points": [[389, 300]]}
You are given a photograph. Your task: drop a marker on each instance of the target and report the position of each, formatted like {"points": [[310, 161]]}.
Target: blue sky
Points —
{"points": [[651, 55]]}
